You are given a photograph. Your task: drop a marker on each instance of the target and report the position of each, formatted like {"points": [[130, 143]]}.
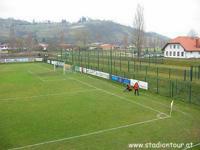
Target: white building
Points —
{"points": [[43, 46], [182, 47], [4, 47]]}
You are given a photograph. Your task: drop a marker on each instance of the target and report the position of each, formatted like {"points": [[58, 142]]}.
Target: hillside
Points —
{"points": [[89, 30]]}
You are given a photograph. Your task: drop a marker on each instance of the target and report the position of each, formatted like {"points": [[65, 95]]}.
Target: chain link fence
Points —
{"points": [[182, 83]]}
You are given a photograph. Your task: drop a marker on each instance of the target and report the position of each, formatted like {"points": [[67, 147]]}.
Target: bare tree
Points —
{"points": [[138, 37], [62, 37], [125, 41], [192, 33], [20, 44], [29, 42], [12, 37], [98, 37], [82, 37]]}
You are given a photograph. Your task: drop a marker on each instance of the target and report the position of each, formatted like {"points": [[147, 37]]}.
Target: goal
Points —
{"points": [[67, 68]]}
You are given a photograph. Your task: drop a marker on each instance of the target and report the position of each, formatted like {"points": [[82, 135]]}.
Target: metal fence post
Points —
{"points": [[149, 59], [114, 65], [128, 66], [198, 72], [103, 58], [157, 85], [146, 70], [157, 79], [169, 73], [98, 58], [120, 65], [61, 54], [191, 72], [157, 71], [85, 59], [72, 56], [172, 93], [79, 53], [170, 86]]}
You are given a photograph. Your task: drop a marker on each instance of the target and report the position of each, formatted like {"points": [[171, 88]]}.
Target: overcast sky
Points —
{"points": [[168, 17]]}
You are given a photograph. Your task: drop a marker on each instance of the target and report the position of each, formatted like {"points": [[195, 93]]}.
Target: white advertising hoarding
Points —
{"points": [[142, 84], [39, 59], [95, 73], [54, 62]]}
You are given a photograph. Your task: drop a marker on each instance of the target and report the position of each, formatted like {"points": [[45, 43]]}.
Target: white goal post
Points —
{"points": [[66, 67]]}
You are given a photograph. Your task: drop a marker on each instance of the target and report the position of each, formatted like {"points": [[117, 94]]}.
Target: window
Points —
{"points": [[170, 46], [167, 53], [174, 46], [178, 46], [174, 53], [170, 54], [178, 53], [182, 53]]}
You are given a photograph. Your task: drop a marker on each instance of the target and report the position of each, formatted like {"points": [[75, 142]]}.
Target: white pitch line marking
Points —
{"points": [[44, 95], [2, 71], [121, 97], [35, 75], [88, 134], [66, 78], [54, 80]]}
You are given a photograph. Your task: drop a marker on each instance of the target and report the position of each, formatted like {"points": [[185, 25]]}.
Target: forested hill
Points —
{"points": [[85, 29]]}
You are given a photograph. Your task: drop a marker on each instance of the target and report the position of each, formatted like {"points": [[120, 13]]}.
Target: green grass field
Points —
{"points": [[43, 109]]}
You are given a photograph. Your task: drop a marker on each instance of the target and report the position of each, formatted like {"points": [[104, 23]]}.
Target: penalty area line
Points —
{"points": [[89, 134], [32, 73], [120, 97], [45, 95]]}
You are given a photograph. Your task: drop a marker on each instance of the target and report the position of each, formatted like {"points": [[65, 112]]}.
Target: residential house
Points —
{"points": [[183, 47]]}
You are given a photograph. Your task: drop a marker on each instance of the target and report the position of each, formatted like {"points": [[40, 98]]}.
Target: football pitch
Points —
{"points": [[45, 109]]}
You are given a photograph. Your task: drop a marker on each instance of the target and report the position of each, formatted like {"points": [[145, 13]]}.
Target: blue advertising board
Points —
{"points": [[120, 79]]}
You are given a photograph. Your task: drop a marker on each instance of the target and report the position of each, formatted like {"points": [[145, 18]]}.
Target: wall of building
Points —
{"points": [[4, 47], [192, 54], [177, 51], [174, 51]]}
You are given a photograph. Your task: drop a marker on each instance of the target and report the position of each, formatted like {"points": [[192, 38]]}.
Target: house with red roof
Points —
{"points": [[107, 46], [183, 47]]}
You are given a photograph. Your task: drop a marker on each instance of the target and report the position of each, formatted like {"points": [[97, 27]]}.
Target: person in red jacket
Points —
{"points": [[136, 88]]}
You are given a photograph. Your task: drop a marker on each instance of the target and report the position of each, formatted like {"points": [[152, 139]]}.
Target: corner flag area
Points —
{"points": [[42, 108]]}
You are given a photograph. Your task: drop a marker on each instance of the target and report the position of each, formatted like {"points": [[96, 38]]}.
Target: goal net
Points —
{"points": [[67, 68]]}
